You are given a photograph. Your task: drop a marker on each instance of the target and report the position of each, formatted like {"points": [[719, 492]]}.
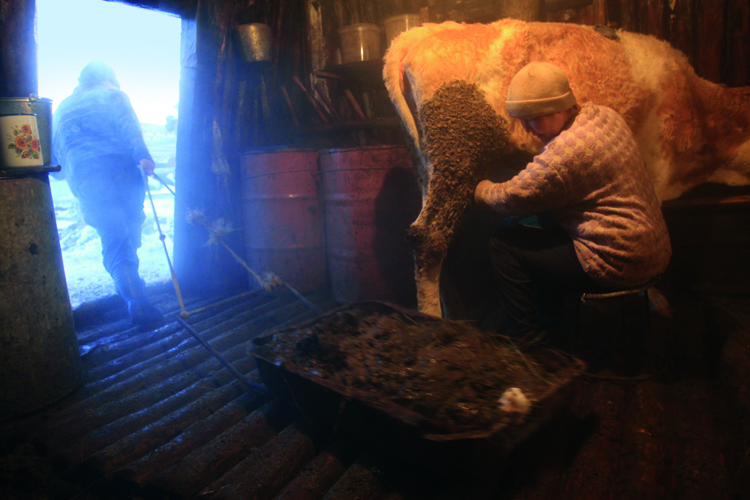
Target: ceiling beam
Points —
{"points": [[182, 8]]}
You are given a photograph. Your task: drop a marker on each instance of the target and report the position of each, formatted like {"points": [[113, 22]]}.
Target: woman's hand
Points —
{"points": [[147, 166], [481, 192]]}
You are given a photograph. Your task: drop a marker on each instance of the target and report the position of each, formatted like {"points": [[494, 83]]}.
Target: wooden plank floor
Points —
{"points": [[158, 417]]}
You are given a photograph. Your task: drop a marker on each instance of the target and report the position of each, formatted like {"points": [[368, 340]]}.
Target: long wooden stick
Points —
{"points": [[289, 103], [355, 104], [310, 98], [329, 76], [321, 93]]}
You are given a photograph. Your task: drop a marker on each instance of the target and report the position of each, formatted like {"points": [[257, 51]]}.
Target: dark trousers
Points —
{"points": [[534, 268], [111, 192]]}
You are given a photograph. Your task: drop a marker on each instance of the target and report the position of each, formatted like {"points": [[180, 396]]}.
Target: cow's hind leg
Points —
{"points": [[461, 137]]}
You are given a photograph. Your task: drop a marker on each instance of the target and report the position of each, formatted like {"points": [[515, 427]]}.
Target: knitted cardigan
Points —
{"points": [[594, 181]]}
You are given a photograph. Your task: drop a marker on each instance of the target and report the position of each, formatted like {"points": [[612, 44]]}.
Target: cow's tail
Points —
{"points": [[396, 81]]}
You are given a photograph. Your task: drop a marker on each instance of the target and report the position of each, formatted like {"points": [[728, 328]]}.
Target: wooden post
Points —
{"points": [[737, 65], [586, 15], [339, 13], [652, 18], [206, 167], [614, 13], [525, 10], [709, 35], [600, 12], [629, 20], [681, 27], [178, 7], [18, 72]]}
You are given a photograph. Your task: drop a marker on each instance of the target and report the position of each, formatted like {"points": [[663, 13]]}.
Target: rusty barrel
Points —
{"points": [[283, 216], [371, 198], [38, 345]]}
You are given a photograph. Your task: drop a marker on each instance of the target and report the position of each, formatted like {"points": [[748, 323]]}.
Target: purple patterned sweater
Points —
{"points": [[593, 180]]}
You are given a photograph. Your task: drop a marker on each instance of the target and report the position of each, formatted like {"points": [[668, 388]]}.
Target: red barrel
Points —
{"points": [[283, 216], [371, 198]]}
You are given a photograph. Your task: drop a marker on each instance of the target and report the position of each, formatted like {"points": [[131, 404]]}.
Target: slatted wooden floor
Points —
{"points": [[158, 417]]}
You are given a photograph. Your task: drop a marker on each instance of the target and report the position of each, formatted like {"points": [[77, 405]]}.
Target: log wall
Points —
{"points": [[228, 105], [713, 34]]}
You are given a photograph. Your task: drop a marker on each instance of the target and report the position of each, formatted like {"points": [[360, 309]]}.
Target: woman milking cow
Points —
{"points": [[608, 231]]}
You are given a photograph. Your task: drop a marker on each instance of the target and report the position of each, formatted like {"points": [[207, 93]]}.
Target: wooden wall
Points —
{"points": [[228, 105], [245, 104], [714, 34]]}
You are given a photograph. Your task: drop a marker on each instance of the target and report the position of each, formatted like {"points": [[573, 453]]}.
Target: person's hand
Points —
{"points": [[147, 166], [480, 193]]}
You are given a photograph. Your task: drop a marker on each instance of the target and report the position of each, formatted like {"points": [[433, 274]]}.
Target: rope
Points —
{"points": [[262, 283]]}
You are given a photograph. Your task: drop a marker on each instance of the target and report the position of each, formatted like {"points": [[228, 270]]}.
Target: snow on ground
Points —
{"points": [[81, 248]]}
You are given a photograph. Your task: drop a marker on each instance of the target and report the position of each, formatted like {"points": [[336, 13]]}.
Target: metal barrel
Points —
{"points": [[38, 345], [371, 198], [39, 106], [283, 217]]}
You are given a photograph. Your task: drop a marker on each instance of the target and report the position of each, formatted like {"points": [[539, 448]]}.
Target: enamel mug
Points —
{"points": [[20, 141]]}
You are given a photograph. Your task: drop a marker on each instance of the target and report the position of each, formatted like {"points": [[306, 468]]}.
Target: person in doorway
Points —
{"points": [[609, 232], [99, 143]]}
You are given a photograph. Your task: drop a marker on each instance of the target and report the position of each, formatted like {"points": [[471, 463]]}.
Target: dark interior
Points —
{"points": [[154, 415]]}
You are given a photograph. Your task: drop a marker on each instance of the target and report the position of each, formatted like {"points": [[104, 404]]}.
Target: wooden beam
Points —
{"points": [[555, 5], [652, 18], [736, 71], [525, 10], [204, 153], [18, 71], [709, 35], [600, 12], [182, 8], [681, 22], [628, 17]]}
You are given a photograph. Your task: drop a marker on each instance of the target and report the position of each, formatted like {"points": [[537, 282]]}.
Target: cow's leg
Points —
{"points": [[461, 137], [431, 235]]}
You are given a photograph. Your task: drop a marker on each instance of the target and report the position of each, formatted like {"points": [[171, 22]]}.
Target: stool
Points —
{"points": [[631, 346]]}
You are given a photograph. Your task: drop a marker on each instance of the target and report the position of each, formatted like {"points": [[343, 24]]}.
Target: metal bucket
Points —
{"points": [[33, 105], [257, 42], [371, 198], [38, 345], [283, 216]]}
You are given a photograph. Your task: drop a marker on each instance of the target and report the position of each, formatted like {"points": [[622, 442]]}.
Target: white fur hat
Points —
{"points": [[538, 89]]}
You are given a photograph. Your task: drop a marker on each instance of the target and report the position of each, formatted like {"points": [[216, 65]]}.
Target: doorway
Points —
{"points": [[143, 47]]}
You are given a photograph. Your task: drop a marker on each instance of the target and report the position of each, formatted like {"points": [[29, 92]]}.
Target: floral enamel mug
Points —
{"points": [[20, 141]]}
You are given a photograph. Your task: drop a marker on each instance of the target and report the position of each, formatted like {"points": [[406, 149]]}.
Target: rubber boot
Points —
{"points": [[130, 286]]}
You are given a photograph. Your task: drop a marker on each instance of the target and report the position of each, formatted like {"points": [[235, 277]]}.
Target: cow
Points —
{"points": [[448, 83]]}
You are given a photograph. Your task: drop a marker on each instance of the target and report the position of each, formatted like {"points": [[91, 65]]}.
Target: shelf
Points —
{"points": [[15, 172]]}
